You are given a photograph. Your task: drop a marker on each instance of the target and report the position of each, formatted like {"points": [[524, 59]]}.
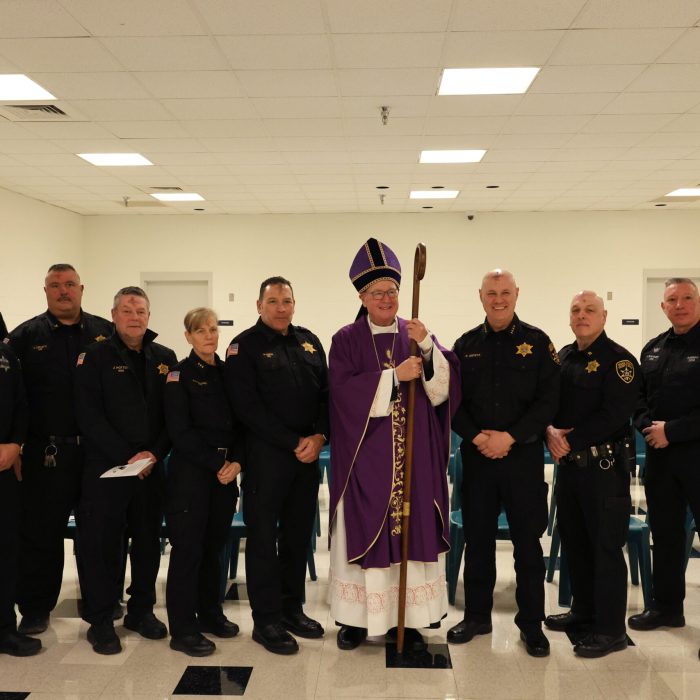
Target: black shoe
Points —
{"points": [[148, 626], [595, 645], [535, 642], [193, 645], [275, 638], [118, 611], [562, 622], [302, 625], [651, 619], [16, 644], [466, 630], [350, 637], [412, 639], [33, 624], [220, 627], [104, 639]]}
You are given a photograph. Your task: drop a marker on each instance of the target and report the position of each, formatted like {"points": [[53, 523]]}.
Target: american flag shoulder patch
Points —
{"points": [[81, 359], [232, 350], [173, 377]]}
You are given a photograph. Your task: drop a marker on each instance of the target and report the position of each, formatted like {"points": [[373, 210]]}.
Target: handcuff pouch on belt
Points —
{"points": [[605, 456]]}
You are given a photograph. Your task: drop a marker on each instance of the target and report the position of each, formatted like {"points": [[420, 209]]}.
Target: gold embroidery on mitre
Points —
{"points": [[592, 366], [523, 349], [625, 370]]}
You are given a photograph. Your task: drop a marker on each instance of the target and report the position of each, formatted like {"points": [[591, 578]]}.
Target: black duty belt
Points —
{"points": [[57, 440], [602, 456]]}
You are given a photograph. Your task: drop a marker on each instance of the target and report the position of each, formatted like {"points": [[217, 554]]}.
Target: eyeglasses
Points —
{"points": [[390, 293]]}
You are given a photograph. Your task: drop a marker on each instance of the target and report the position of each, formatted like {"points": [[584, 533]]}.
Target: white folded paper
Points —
{"points": [[133, 469]]}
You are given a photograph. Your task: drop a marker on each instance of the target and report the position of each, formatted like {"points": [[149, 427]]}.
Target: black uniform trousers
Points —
{"points": [[109, 510], [9, 548], [197, 536], [48, 495], [279, 508], [517, 484], [593, 514], [671, 483]]}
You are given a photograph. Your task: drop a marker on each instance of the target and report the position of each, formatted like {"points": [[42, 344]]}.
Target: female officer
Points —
{"points": [[201, 489]]}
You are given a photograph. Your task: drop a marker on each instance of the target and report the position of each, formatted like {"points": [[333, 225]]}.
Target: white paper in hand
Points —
{"points": [[133, 469]]}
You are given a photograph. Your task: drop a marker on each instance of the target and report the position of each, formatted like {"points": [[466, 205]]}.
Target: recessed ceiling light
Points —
{"points": [[437, 187], [16, 86], [114, 159], [178, 197], [433, 194], [473, 155], [382, 187], [685, 192], [492, 187], [427, 207], [486, 81], [659, 205]]}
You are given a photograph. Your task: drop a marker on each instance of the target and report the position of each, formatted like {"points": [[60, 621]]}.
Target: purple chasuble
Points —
{"points": [[368, 454]]}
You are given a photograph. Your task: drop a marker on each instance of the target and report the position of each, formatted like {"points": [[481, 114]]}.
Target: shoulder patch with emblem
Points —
{"points": [[232, 350], [553, 353], [173, 377], [4, 363], [625, 370]]}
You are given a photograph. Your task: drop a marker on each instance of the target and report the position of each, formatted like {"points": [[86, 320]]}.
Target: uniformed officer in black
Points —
{"points": [[13, 429], [48, 346], [119, 392], [510, 393], [590, 439], [200, 486], [277, 377], [669, 417]]}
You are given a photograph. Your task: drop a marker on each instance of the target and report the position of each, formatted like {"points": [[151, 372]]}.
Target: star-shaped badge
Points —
{"points": [[523, 349], [592, 366], [100, 338], [163, 368], [308, 347]]}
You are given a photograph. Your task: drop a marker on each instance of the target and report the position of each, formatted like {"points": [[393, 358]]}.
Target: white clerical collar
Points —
{"points": [[376, 330]]}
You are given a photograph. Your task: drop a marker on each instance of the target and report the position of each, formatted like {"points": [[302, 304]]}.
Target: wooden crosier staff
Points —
{"points": [[418, 273]]}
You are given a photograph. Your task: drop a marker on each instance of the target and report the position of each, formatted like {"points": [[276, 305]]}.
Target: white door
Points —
{"points": [[170, 301], [655, 321]]}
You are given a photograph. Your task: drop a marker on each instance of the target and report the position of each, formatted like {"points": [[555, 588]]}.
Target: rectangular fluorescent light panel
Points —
{"points": [[486, 81], [685, 192], [114, 159], [178, 197], [473, 155], [433, 194], [16, 86]]}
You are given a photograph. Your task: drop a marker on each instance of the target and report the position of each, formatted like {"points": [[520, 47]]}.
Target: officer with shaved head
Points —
{"points": [[590, 439]]}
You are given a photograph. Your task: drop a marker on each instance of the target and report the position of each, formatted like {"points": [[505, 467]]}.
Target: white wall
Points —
{"points": [[553, 255], [33, 236]]}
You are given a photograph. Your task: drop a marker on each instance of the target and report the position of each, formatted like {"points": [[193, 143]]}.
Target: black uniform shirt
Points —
{"points": [[278, 384], [48, 351], [599, 391], [14, 415], [671, 385], [115, 414], [510, 381], [199, 415]]}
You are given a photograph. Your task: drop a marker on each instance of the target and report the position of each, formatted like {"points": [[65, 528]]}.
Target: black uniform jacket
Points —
{"points": [[510, 382], [14, 413], [671, 386], [116, 416], [278, 385], [599, 391], [200, 422], [48, 351]]}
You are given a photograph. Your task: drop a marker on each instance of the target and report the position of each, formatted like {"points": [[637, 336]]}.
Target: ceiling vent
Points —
{"points": [[37, 113], [166, 189]]}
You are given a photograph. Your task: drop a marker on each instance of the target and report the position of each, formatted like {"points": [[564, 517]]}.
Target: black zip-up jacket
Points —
{"points": [[118, 415], [48, 351]]}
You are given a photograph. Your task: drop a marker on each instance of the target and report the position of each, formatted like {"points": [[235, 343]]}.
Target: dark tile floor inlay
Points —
{"points": [[435, 656], [214, 680]]}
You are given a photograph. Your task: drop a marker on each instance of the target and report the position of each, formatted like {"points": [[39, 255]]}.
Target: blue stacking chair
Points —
{"points": [[455, 442], [640, 447]]}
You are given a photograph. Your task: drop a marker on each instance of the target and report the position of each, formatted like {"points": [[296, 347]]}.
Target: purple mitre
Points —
{"points": [[374, 261]]}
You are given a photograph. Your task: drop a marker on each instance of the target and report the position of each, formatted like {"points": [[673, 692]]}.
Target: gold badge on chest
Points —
{"points": [[523, 349], [592, 366]]}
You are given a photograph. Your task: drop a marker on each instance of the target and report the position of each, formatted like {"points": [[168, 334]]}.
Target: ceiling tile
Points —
{"points": [[667, 77], [145, 129], [225, 128], [567, 103], [579, 79], [296, 107], [652, 103], [77, 86], [288, 83], [686, 122], [37, 18], [605, 140], [58, 55], [276, 52], [485, 49], [367, 16], [28, 146], [473, 105], [685, 50], [210, 108], [233, 145], [612, 46], [304, 127], [633, 13], [560, 124], [387, 50], [191, 84], [67, 130], [530, 140], [166, 53], [399, 106], [135, 17], [680, 138], [120, 110], [631, 123], [476, 15], [372, 126], [465, 125], [311, 143], [388, 82]]}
